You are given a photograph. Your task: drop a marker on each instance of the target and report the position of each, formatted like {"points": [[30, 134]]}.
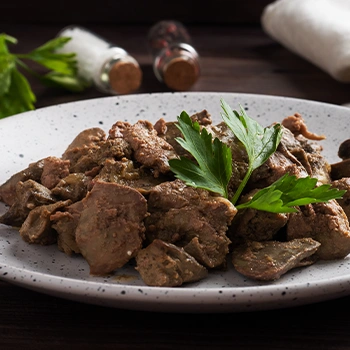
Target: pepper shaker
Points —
{"points": [[175, 60], [109, 67]]}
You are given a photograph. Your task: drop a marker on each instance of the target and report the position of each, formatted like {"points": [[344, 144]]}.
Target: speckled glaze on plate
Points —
{"points": [[30, 136]]}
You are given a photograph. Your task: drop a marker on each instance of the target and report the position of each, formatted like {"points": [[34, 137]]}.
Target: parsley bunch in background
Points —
{"points": [[16, 95]]}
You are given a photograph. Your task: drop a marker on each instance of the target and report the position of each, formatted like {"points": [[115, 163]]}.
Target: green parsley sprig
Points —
{"points": [[213, 168], [288, 192], [16, 95], [259, 142]]}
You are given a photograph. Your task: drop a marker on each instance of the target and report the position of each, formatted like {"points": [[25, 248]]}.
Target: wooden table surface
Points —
{"points": [[233, 59]]}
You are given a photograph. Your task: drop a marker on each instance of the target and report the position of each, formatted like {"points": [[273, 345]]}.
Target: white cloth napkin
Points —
{"points": [[317, 30]]}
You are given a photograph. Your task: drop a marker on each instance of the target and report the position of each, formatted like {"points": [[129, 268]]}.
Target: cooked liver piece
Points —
{"points": [[54, 170], [124, 173], [82, 142], [296, 124], [247, 224], [327, 223], [149, 149], [344, 184], [29, 195], [97, 154], [37, 227], [73, 187], [65, 223], [166, 265], [192, 218], [340, 169], [110, 230], [269, 260], [8, 188]]}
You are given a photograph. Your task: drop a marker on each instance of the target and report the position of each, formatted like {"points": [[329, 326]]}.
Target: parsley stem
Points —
{"points": [[242, 185]]}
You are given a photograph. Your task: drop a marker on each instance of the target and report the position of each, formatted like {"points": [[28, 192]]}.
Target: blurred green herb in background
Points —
{"points": [[16, 95]]}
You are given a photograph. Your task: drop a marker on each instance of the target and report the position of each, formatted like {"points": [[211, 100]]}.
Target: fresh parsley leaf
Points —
{"points": [[16, 95], [259, 142], [4, 39], [214, 159], [64, 63], [68, 82], [288, 192], [7, 65], [18, 98]]}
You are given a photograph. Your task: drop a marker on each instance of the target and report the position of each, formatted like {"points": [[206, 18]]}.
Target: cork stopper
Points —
{"points": [[181, 73], [124, 77]]}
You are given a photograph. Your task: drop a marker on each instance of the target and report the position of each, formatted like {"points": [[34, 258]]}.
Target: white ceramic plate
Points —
{"points": [[30, 136]]}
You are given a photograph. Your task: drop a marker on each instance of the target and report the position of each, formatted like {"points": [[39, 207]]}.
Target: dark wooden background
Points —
{"points": [[133, 12]]}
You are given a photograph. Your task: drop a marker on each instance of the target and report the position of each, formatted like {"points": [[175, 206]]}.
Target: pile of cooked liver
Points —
{"points": [[112, 199]]}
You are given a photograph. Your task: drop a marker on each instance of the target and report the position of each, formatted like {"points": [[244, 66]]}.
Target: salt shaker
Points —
{"points": [[175, 60], [109, 67]]}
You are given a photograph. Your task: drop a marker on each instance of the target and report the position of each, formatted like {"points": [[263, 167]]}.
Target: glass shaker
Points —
{"points": [[109, 67], [175, 60]]}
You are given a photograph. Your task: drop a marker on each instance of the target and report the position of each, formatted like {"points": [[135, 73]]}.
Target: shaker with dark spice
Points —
{"points": [[175, 60]]}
